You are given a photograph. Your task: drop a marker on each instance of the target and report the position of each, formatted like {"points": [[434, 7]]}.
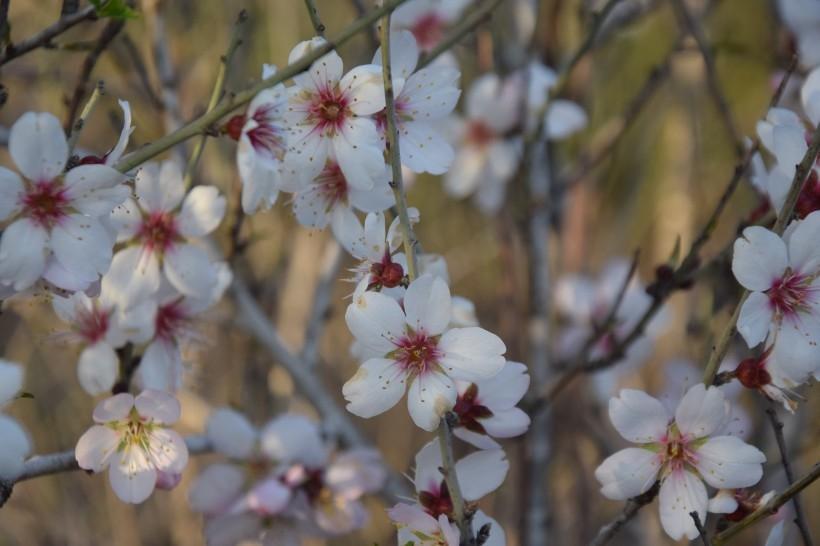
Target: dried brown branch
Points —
{"points": [[44, 37], [631, 509]]}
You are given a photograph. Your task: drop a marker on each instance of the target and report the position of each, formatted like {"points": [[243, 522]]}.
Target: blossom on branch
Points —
{"points": [[15, 445]]}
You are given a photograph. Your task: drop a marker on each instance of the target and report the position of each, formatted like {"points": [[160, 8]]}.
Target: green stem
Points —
{"points": [[229, 104], [77, 128], [216, 93], [445, 436], [394, 153]]}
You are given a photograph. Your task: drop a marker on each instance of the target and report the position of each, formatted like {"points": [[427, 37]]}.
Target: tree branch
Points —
{"points": [[630, 510], [44, 37]]}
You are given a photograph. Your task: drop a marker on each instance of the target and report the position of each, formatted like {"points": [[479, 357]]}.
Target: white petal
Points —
{"points": [[804, 254], [431, 93], [231, 433], [424, 149], [202, 211], [481, 441], [427, 305], [126, 220], [15, 448], [167, 450], [294, 438], [430, 396], [359, 152], [507, 423], [376, 321], [481, 472], [115, 408], [38, 146], [365, 87], [191, 270], [11, 380], [638, 417], [727, 462], [267, 498], [496, 536], [810, 95], [564, 118], [116, 152], [404, 54], [506, 389], [97, 368], [427, 463], [312, 207], [215, 489], [796, 353], [95, 448], [324, 72], [82, 246], [23, 249], [260, 175], [775, 537], [11, 191], [789, 146], [681, 494], [759, 258], [95, 189], [159, 188], [755, 318], [159, 406], [495, 101], [472, 353], [134, 275], [701, 411], [131, 479], [160, 367], [356, 472], [306, 157], [628, 473], [723, 502], [377, 386]]}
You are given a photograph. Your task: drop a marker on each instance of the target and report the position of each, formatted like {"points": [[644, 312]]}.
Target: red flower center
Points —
{"points": [[92, 324], [329, 110], [428, 30], [752, 373], [170, 321], [417, 352], [469, 410], [790, 294], [479, 134], [437, 502], [333, 185], [46, 203], [809, 199], [158, 231]]}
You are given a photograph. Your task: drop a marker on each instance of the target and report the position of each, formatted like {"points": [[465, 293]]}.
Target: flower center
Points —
{"points": [[134, 432], [790, 294], [158, 231], [417, 352], [329, 110], [385, 274], [676, 452], [266, 137], [170, 321], [428, 30], [46, 203], [752, 373], [479, 134], [438, 502], [469, 410], [332, 185], [93, 324]]}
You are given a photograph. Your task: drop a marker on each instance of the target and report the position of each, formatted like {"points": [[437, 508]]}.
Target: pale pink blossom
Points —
{"points": [[803, 18], [55, 220], [561, 118], [682, 451], [414, 346], [428, 20], [162, 232], [132, 440], [16, 444]]}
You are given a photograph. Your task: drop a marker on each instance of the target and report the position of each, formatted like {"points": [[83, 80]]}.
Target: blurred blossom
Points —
{"points": [[15, 445]]}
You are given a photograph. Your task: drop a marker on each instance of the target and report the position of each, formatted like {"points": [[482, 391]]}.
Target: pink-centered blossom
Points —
{"points": [[162, 232], [427, 20], [682, 451], [413, 346], [132, 440], [783, 307], [329, 110], [55, 220]]}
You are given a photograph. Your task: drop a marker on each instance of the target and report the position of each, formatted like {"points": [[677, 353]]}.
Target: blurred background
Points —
{"points": [[658, 184]]}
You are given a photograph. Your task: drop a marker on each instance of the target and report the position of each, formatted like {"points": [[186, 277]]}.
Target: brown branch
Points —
{"points": [[704, 538], [44, 37], [800, 518]]}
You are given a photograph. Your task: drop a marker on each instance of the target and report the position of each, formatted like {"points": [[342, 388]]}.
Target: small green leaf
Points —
{"points": [[115, 9]]}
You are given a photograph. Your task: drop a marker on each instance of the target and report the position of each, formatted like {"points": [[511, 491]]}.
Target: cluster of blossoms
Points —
{"points": [[285, 481]]}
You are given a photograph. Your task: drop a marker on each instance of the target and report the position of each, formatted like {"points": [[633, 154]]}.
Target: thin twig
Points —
{"points": [[800, 518], [394, 152], [770, 508], [704, 538], [630, 510], [107, 35], [142, 71], [445, 436], [44, 37], [77, 128], [66, 461], [315, 20], [712, 81], [216, 92], [234, 101]]}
